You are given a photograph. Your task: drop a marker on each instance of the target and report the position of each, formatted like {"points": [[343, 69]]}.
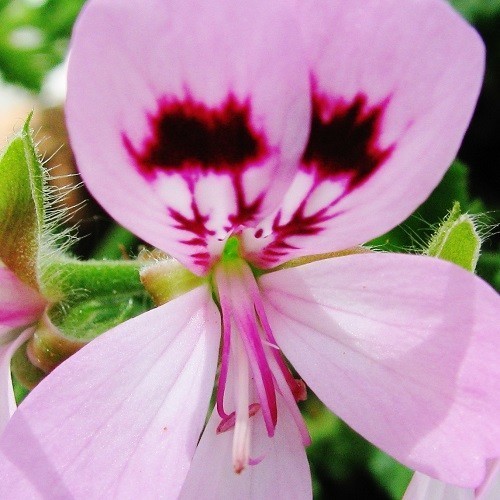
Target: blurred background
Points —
{"points": [[34, 36]]}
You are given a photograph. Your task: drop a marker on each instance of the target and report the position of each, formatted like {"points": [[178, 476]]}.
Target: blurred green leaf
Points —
{"points": [[474, 9], [393, 476], [34, 38], [488, 267]]}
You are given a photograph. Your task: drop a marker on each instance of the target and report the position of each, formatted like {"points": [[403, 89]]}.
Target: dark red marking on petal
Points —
{"points": [[190, 138], [343, 145], [246, 212], [344, 139], [298, 225], [196, 225]]}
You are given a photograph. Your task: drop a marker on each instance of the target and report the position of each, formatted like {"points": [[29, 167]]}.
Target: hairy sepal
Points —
{"points": [[21, 206], [456, 240]]}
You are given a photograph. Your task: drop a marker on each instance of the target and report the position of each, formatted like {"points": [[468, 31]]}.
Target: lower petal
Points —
{"points": [[123, 415], [283, 471], [403, 348]]}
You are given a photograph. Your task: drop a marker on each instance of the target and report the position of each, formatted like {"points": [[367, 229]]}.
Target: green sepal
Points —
{"points": [[27, 374], [49, 347], [86, 319], [167, 279], [21, 206], [95, 295], [456, 240]]}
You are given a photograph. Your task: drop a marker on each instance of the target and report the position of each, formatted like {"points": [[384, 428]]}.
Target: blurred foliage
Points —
{"points": [[34, 37], [477, 9]]}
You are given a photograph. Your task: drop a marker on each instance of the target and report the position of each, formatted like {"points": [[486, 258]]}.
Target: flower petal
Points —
{"points": [[7, 400], [403, 348], [394, 87], [283, 471], [19, 303], [423, 487], [193, 119], [123, 415]]}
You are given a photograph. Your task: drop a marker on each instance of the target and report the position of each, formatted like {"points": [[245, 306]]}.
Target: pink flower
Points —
{"points": [[423, 487], [20, 306], [237, 136]]}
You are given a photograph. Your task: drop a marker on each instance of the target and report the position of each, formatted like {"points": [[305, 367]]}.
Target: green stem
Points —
{"points": [[67, 278]]}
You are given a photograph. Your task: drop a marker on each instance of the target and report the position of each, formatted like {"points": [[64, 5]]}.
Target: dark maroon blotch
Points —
{"points": [[187, 135], [344, 139]]}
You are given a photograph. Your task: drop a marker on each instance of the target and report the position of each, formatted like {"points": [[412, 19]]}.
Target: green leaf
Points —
{"points": [[456, 240]]}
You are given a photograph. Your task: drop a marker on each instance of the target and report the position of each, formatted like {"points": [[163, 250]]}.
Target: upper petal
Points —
{"points": [[123, 415], [283, 473], [394, 85], [193, 118], [404, 349]]}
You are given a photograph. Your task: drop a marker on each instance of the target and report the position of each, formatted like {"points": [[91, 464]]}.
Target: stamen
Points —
{"points": [[297, 386], [234, 292], [290, 401], [228, 422], [226, 344], [255, 461], [274, 346], [262, 374], [241, 438]]}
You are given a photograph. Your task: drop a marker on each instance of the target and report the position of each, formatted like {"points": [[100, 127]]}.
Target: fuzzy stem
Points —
{"points": [[65, 277]]}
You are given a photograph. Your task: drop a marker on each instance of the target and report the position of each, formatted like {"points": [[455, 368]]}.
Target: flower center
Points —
{"points": [[251, 361]]}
